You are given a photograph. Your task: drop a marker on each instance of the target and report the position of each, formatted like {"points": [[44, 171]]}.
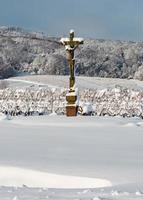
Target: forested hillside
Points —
{"points": [[36, 53]]}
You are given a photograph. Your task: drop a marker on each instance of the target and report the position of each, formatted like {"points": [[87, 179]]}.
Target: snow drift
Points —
{"points": [[12, 176]]}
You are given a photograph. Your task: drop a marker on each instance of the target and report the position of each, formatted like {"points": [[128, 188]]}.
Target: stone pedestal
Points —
{"points": [[71, 107], [71, 110]]}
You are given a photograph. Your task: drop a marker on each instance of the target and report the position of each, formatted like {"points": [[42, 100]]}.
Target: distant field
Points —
{"points": [[82, 82]]}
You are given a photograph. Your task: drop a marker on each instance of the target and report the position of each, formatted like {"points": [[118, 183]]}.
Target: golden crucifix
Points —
{"points": [[71, 44]]}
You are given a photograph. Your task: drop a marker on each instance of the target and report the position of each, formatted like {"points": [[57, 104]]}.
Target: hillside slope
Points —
{"points": [[36, 53]]}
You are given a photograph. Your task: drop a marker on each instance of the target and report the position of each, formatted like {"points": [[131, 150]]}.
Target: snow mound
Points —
{"points": [[96, 198], [53, 114], [140, 124], [131, 124], [13, 176], [2, 116]]}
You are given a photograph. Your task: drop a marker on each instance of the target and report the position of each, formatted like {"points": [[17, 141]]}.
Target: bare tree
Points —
{"points": [[139, 73]]}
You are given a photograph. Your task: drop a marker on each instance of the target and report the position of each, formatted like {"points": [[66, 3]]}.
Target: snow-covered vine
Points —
{"points": [[113, 102]]}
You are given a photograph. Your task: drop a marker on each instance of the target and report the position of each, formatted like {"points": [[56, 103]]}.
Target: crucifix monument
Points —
{"points": [[71, 44]]}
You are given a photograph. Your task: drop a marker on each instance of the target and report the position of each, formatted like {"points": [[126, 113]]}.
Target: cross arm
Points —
{"points": [[74, 42]]}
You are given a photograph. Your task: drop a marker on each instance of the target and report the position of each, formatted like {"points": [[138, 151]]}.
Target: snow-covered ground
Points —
{"points": [[55, 157], [82, 158], [82, 82]]}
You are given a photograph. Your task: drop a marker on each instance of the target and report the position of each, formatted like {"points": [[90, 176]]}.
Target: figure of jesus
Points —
{"points": [[71, 44]]}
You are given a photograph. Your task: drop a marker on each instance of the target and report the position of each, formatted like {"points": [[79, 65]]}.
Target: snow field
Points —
{"points": [[60, 152], [81, 152]]}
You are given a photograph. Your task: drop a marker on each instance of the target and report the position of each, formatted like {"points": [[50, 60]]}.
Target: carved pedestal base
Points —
{"points": [[71, 107], [71, 110]]}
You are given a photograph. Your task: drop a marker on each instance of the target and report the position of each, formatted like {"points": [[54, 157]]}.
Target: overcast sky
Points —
{"points": [[108, 19]]}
